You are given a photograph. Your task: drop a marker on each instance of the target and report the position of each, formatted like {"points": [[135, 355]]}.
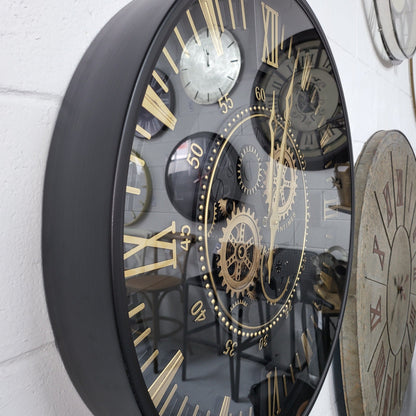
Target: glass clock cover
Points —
{"points": [[227, 296]]}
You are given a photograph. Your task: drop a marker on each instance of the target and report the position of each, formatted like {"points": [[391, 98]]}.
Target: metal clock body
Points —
{"points": [[242, 222], [379, 329]]}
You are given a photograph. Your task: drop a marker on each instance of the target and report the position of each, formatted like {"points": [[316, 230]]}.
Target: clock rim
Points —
{"points": [[64, 229], [99, 369]]}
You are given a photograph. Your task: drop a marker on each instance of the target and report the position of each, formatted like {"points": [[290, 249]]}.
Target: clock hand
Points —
{"points": [[272, 133], [275, 198]]}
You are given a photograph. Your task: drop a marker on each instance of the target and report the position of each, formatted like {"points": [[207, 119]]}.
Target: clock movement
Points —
{"points": [[198, 264]]}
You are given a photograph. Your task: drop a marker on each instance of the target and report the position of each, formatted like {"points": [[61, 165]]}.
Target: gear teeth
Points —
{"points": [[240, 216]]}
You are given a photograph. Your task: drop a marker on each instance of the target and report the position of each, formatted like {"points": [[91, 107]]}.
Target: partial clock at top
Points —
{"points": [[224, 292], [397, 26]]}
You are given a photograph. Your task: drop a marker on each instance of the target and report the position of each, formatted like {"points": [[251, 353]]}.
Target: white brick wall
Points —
{"points": [[41, 42]]}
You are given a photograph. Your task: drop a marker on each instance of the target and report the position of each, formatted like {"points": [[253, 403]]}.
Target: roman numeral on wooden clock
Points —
{"points": [[387, 198], [380, 253], [379, 371], [400, 193]]}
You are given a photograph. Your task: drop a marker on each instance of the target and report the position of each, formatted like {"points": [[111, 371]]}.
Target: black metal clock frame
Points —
{"points": [[83, 205]]}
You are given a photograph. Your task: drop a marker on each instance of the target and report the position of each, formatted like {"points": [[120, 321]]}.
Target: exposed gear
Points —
{"points": [[287, 193], [249, 171], [239, 256]]}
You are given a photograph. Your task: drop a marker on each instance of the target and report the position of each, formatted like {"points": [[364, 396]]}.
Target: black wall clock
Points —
{"points": [[227, 296]]}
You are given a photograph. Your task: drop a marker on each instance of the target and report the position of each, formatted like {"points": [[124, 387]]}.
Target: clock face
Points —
{"points": [[396, 19], [385, 286], [227, 295], [209, 70]]}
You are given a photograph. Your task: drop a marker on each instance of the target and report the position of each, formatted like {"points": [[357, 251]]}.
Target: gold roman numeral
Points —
{"points": [[307, 348], [180, 40], [141, 243], [306, 73], [155, 106], [271, 36], [208, 10], [193, 27], [273, 398], [168, 400], [158, 389], [170, 60], [225, 406], [138, 162]]}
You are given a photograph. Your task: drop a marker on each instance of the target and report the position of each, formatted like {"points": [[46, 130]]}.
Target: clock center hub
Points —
{"points": [[398, 289]]}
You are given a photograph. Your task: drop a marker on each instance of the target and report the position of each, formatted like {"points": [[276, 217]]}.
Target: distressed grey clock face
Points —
{"points": [[384, 280]]}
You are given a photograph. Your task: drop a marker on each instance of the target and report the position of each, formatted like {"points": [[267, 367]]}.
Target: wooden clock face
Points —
{"points": [[396, 21], [383, 317]]}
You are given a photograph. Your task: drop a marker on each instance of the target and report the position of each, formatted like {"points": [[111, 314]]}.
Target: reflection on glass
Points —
{"points": [[138, 189], [236, 274]]}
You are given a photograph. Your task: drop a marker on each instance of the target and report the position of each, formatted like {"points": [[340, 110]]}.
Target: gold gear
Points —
{"points": [[288, 188], [222, 203], [239, 256], [249, 151]]}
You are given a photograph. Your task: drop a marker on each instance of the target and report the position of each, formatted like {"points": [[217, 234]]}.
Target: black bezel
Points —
{"points": [[82, 251]]}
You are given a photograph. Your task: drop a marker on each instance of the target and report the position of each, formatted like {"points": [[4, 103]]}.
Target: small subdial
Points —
{"points": [[249, 170], [210, 70], [239, 256], [287, 187]]}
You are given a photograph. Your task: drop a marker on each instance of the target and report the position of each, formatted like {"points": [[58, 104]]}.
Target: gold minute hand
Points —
{"points": [[272, 132], [275, 198]]}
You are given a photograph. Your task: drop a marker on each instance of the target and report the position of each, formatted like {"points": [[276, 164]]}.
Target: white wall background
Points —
{"points": [[41, 42]]}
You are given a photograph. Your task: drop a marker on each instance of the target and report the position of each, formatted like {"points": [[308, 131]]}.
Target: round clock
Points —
{"points": [[227, 296], [379, 329], [397, 24]]}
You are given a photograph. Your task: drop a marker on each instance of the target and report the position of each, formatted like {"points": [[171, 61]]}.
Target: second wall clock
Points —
{"points": [[227, 296], [379, 330]]}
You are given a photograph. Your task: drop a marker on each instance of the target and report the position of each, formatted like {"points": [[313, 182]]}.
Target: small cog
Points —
{"points": [[239, 255]]}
